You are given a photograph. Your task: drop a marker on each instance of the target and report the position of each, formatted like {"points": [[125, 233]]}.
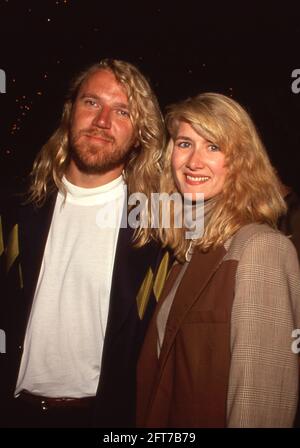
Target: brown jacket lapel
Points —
{"points": [[202, 267]]}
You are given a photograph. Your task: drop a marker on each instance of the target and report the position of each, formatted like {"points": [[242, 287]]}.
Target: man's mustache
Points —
{"points": [[96, 133]]}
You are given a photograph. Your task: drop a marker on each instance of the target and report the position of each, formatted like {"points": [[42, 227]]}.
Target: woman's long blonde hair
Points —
{"points": [[142, 169], [251, 190]]}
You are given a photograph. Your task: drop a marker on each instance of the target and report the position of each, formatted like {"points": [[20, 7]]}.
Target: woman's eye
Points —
{"points": [[184, 144], [214, 147]]}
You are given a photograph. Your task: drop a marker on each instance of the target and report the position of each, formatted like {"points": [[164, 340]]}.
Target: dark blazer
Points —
{"points": [[127, 322]]}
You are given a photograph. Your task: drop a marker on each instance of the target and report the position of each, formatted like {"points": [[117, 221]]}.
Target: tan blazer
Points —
{"points": [[226, 358]]}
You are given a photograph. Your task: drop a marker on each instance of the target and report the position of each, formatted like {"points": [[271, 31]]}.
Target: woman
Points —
{"points": [[218, 350]]}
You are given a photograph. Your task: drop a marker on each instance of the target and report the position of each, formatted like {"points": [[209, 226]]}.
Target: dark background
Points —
{"points": [[245, 50]]}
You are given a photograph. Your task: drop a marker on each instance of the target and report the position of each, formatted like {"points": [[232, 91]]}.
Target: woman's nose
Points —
{"points": [[195, 160]]}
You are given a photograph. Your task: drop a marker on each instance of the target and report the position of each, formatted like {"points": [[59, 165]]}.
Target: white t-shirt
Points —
{"points": [[65, 333]]}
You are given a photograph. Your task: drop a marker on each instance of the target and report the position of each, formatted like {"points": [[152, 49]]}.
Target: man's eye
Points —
{"points": [[90, 103], [123, 113], [184, 144]]}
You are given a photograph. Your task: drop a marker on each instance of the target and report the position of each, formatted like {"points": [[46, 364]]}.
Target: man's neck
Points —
{"points": [[86, 180]]}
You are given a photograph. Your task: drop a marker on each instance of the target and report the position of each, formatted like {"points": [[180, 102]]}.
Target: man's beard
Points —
{"points": [[97, 158]]}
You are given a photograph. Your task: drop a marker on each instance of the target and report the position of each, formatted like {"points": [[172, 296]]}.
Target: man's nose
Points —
{"points": [[195, 160], [103, 118]]}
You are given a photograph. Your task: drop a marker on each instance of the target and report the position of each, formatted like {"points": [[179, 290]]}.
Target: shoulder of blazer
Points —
{"points": [[236, 245]]}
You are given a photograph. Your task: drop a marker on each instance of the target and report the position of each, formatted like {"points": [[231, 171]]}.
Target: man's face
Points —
{"points": [[101, 133]]}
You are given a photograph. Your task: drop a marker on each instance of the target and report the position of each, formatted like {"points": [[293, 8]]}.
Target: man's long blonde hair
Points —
{"points": [[142, 169], [251, 191]]}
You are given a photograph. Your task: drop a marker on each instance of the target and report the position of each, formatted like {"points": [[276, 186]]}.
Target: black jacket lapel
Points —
{"points": [[34, 225], [115, 406], [130, 267]]}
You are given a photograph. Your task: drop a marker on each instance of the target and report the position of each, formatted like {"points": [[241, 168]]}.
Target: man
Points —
{"points": [[74, 334]]}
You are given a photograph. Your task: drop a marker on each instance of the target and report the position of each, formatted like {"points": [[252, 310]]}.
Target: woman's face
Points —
{"points": [[198, 165]]}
